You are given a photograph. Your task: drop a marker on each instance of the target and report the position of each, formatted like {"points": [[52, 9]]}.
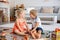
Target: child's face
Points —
{"points": [[22, 14], [32, 16]]}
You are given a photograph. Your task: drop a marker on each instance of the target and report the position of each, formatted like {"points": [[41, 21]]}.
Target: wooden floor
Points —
{"points": [[10, 36]]}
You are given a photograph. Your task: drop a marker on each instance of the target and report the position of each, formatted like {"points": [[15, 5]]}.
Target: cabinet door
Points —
{"points": [[1, 13]]}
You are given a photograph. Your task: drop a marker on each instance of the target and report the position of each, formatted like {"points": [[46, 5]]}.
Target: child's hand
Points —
{"points": [[31, 32], [27, 29]]}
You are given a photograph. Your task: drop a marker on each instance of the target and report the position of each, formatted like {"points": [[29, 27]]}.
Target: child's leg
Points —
{"points": [[38, 34], [33, 34], [20, 33]]}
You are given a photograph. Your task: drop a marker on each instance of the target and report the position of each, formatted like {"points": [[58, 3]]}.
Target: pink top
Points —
{"points": [[22, 25]]}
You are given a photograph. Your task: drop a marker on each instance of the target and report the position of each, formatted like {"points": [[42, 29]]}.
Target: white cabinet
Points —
{"points": [[44, 19]]}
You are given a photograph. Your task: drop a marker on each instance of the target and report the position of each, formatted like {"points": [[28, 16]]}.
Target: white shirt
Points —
{"points": [[33, 21]]}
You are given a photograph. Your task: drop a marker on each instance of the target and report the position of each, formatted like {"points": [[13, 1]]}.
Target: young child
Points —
{"points": [[36, 24], [20, 26]]}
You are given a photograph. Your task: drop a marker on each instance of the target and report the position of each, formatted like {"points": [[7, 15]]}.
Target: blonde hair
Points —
{"points": [[33, 12], [19, 12]]}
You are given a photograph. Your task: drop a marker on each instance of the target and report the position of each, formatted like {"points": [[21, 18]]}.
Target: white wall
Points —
{"points": [[39, 3], [34, 2]]}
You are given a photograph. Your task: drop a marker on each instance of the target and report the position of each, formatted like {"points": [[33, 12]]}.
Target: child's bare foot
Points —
{"points": [[26, 37]]}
